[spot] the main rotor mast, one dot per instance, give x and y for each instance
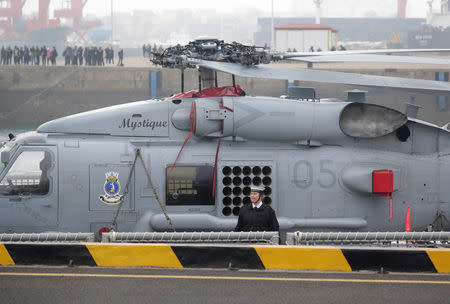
(209, 49)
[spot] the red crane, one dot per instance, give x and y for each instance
(42, 22)
(75, 12)
(401, 9)
(14, 27)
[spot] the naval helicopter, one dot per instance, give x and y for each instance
(187, 162)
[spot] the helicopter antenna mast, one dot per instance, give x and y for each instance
(317, 3)
(272, 38)
(112, 23)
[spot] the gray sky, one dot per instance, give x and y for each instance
(331, 8)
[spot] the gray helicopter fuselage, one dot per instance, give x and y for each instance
(320, 162)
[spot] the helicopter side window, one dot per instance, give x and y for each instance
(189, 185)
(28, 175)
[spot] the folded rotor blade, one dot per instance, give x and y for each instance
(350, 52)
(372, 58)
(325, 76)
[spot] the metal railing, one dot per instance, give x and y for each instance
(425, 239)
(440, 239)
(47, 237)
(263, 237)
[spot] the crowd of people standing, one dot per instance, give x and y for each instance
(34, 55)
(148, 50)
(93, 56)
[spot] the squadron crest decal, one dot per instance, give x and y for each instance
(112, 189)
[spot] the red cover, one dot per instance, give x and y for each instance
(212, 92)
(383, 182)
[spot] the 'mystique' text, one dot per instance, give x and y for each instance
(145, 123)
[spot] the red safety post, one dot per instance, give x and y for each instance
(408, 220)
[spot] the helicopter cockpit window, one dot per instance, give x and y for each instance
(28, 175)
(189, 185)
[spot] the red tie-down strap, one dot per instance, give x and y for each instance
(192, 118)
(223, 107)
(222, 123)
(218, 147)
(391, 208)
(215, 168)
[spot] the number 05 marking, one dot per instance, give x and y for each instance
(327, 177)
(301, 179)
(303, 174)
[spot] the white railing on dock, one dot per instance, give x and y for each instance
(442, 238)
(265, 237)
(47, 237)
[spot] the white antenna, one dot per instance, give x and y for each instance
(272, 38)
(444, 6)
(112, 23)
(317, 3)
(430, 5)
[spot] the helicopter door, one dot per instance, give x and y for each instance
(29, 191)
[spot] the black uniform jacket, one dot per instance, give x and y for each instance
(257, 219)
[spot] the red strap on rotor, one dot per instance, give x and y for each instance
(391, 208)
(215, 168)
(223, 107)
(192, 118)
